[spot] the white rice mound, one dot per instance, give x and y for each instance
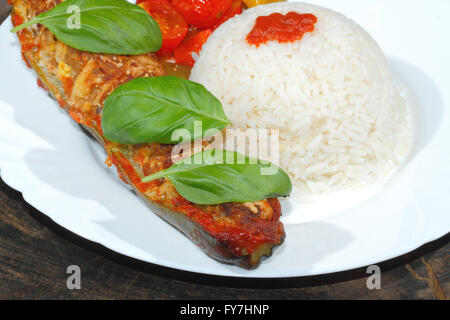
(341, 121)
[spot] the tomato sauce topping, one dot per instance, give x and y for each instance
(247, 231)
(16, 20)
(119, 160)
(282, 28)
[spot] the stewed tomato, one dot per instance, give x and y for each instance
(235, 8)
(172, 24)
(192, 44)
(202, 13)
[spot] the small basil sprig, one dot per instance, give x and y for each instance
(104, 26)
(220, 178)
(147, 110)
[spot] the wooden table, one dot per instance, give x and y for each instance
(35, 253)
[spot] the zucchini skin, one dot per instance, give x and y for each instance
(218, 245)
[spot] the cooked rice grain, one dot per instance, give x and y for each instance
(341, 120)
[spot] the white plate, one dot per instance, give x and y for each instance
(60, 171)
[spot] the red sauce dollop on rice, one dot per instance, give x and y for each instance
(282, 28)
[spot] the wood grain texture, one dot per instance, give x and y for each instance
(35, 253)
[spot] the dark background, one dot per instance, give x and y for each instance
(35, 253)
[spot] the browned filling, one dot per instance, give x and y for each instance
(81, 81)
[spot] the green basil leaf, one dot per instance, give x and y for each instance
(220, 178)
(148, 110)
(105, 26)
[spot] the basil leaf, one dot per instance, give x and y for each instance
(148, 110)
(105, 26)
(222, 181)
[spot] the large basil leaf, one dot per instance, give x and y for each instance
(148, 110)
(106, 26)
(219, 181)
